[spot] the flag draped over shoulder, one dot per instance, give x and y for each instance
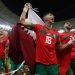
(21, 46)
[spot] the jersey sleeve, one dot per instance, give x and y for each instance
(31, 26)
(34, 27)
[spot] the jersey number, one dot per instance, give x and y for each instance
(48, 40)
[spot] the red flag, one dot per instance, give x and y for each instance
(21, 47)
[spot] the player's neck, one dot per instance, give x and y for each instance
(48, 25)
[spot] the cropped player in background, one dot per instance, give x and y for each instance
(73, 56)
(3, 50)
(47, 39)
(64, 57)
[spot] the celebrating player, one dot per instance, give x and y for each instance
(73, 56)
(3, 50)
(64, 57)
(47, 39)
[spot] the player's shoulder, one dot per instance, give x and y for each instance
(39, 25)
(61, 33)
(55, 32)
(72, 32)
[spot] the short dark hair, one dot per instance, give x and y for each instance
(47, 14)
(67, 22)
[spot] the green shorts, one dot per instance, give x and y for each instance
(69, 72)
(72, 67)
(1, 64)
(12, 65)
(42, 69)
(73, 64)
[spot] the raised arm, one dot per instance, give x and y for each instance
(23, 19)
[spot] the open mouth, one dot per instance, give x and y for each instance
(69, 27)
(52, 19)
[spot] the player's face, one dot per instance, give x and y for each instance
(68, 25)
(49, 18)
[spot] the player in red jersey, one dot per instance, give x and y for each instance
(64, 57)
(73, 56)
(3, 50)
(47, 39)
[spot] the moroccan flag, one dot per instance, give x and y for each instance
(21, 47)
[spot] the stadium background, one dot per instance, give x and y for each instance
(63, 10)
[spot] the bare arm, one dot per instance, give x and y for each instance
(25, 23)
(23, 19)
(62, 47)
(70, 42)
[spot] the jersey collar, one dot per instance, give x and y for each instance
(47, 27)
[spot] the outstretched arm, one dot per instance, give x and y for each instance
(25, 23)
(62, 47)
(23, 19)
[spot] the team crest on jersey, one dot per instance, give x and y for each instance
(54, 35)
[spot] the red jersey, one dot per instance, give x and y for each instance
(3, 42)
(64, 56)
(73, 48)
(46, 40)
